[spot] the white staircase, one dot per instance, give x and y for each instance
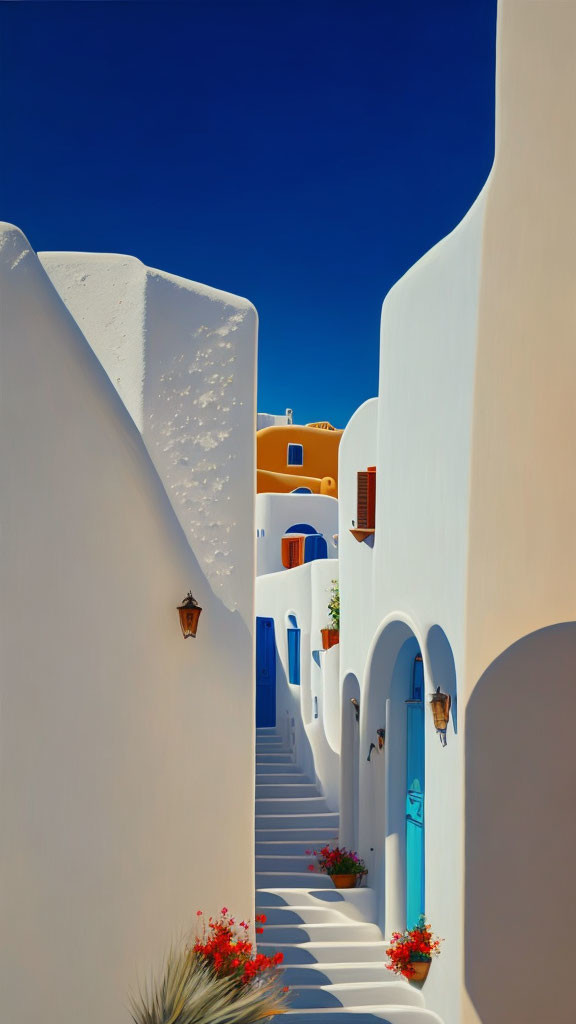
(334, 959)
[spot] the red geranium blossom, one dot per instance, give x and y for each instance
(412, 946)
(229, 952)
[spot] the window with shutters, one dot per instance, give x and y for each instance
(292, 551)
(365, 522)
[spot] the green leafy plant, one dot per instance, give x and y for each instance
(218, 980)
(334, 605)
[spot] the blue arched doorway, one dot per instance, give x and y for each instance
(392, 784)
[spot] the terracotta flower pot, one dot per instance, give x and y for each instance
(421, 968)
(330, 637)
(344, 881)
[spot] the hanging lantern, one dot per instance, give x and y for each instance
(440, 707)
(189, 614)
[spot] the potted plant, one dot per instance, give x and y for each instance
(217, 978)
(411, 951)
(344, 866)
(331, 635)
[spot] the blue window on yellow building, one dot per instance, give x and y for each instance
(295, 455)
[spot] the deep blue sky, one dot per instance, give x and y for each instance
(303, 154)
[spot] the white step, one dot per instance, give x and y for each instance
(274, 757)
(327, 974)
(287, 862)
(380, 993)
(291, 880)
(311, 836)
(301, 820)
(267, 730)
(285, 790)
(302, 915)
(287, 848)
(341, 931)
(362, 1015)
(286, 806)
(287, 768)
(327, 952)
(281, 776)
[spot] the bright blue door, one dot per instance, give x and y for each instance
(265, 672)
(415, 797)
(294, 656)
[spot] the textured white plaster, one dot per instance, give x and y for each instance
(181, 356)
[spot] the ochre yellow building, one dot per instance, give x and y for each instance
(289, 457)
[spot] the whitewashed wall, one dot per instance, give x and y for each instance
(177, 353)
(276, 513)
(474, 553)
(305, 592)
(416, 570)
(120, 741)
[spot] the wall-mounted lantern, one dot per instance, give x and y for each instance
(381, 737)
(356, 707)
(189, 614)
(440, 706)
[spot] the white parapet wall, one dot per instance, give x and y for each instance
(126, 753)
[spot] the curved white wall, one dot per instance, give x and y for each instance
(121, 743)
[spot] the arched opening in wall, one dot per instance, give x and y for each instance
(392, 783)
(302, 543)
(350, 761)
(520, 828)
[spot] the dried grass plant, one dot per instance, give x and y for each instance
(188, 992)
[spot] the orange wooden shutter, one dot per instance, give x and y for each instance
(292, 551)
(371, 497)
(366, 499)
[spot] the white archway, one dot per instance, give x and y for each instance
(382, 783)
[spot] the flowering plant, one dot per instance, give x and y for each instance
(338, 861)
(334, 605)
(228, 952)
(413, 946)
(218, 978)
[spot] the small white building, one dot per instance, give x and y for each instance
(298, 515)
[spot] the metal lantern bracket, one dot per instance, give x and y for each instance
(440, 704)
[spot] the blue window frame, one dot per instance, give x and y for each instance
(295, 455)
(294, 656)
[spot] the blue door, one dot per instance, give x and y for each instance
(415, 797)
(315, 547)
(265, 672)
(293, 635)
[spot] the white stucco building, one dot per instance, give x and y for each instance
(466, 580)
